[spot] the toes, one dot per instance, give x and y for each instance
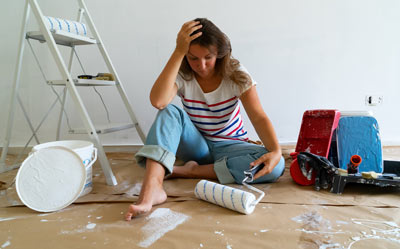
(128, 216)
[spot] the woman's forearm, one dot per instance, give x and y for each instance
(164, 88)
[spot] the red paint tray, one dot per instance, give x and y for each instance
(315, 136)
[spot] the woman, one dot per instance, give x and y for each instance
(208, 133)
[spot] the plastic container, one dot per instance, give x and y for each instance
(86, 151)
(50, 179)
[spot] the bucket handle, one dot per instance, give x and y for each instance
(94, 157)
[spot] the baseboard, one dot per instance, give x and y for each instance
(122, 148)
(286, 148)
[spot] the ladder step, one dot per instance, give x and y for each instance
(105, 129)
(62, 37)
(83, 82)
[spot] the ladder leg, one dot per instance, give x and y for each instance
(110, 178)
(15, 87)
(71, 56)
(112, 70)
(58, 135)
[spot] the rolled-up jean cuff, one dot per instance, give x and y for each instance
(221, 170)
(158, 154)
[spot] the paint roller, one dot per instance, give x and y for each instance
(228, 197)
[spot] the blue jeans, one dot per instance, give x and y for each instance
(173, 134)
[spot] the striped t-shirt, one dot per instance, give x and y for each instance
(215, 114)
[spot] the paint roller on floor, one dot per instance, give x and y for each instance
(228, 197)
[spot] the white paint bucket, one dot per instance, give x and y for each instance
(86, 151)
(50, 179)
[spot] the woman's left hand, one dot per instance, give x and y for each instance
(270, 160)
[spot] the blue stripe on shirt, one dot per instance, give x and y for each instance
(226, 128)
(210, 123)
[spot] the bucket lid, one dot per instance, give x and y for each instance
(50, 179)
(70, 144)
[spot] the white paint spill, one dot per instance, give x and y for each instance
(7, 243)
(91, 225)
(341, 222)
(161, 221)
(264, 230)
(386, 228)
(326, 246)
(43, 220)
(99, 217)
(88, 228)
(44, 214)
(6, 219)
(201, 245)
(219, 232)
(312, 219)
(316, 230)
(228, 246)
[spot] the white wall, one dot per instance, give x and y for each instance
(304, 54)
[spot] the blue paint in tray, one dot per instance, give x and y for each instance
(359, 135)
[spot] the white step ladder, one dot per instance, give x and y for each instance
(53, 38)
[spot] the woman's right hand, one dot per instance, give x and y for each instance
(184, 36)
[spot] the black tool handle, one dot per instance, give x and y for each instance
(249, 174)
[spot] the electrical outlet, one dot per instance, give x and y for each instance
(373, 100)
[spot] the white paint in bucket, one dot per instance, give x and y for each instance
(86, 151)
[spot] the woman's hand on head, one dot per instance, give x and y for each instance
(270, 160)
(184, 36)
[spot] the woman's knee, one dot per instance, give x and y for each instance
(170, 111)
(275, 174)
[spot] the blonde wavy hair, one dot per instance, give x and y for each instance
(226, 65)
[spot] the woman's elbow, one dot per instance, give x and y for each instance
(158, 104)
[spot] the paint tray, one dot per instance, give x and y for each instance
(315, 136)
(389, 178)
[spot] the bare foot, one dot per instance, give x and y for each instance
(142, 207)
(185, 171)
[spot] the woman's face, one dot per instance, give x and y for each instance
(202, 60)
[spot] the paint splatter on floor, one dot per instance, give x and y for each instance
(161, 221)
(5, 244)
(387, 231)
(91, 225)
(316, 231)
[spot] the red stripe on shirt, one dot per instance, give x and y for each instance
(204, 103)
(203, 116)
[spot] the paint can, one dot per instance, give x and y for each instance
(50, 179)
(86, 151)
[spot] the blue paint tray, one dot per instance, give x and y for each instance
(359, 135)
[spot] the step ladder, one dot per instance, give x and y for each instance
(53, 38)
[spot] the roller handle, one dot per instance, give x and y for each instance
(249, 174)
